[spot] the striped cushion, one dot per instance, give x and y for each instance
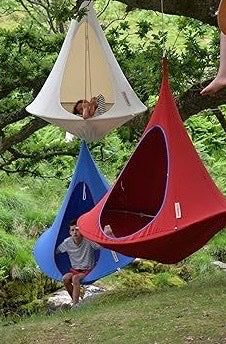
(101, 105)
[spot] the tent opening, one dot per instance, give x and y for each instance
(139, 192)
(86, 72)
(80, 202)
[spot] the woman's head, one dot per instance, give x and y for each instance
(78, 108)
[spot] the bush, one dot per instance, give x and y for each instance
(23, 207)
(217, 247)
(21, 282)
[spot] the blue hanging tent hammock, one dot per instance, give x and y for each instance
(86, 189)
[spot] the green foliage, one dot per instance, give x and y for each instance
(23, 204)
(146, 275)
(210, 141)
(22, 286)
(217, 247)
(36, 306)
(201, 264)
(132, 280)
(165, 279)
(15, 255)
(111, 154)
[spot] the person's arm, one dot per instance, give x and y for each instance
(95, 245)
(93, 106)
(108, 231)
(61, 248)
(57, 250)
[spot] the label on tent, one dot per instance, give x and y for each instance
(114, 255)
(177, 210)
(126, 98)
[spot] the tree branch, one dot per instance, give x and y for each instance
(29, 12)
(23, 134)
(191, 102)
(221, 118)
(12, 118)
(104, 9)
(38, 156)
(197, 9)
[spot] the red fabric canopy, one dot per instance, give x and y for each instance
(164, 205)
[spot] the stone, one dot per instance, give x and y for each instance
(61, 299)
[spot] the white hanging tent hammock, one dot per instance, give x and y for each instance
(86, 67)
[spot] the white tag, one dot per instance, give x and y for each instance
(114, 255)
(177, 210)
(126, 98)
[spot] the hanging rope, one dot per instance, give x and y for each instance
(86, 48)
(87, 61)
(131, 212)
(163, 29)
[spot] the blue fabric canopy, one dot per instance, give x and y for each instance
(86, 189)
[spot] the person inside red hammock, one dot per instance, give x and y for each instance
(220, 80)
(87, 109)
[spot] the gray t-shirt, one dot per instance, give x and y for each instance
(81, 256)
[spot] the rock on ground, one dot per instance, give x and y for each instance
(61, 299)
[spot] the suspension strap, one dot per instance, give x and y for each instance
(163, 28)
(86, 50)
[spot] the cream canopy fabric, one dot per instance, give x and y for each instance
(85, 68)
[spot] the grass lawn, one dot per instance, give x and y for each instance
(192, 314)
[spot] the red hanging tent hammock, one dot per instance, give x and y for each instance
(164, 205)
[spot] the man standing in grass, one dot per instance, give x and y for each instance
(81, 253)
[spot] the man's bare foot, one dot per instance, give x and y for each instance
(216, 85)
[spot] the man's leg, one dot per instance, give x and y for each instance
(221, 16)
(67, 279)
(76, 287)
(220, 81)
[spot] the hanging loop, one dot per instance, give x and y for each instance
(84, 192)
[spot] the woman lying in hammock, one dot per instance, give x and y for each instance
(87, 109)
